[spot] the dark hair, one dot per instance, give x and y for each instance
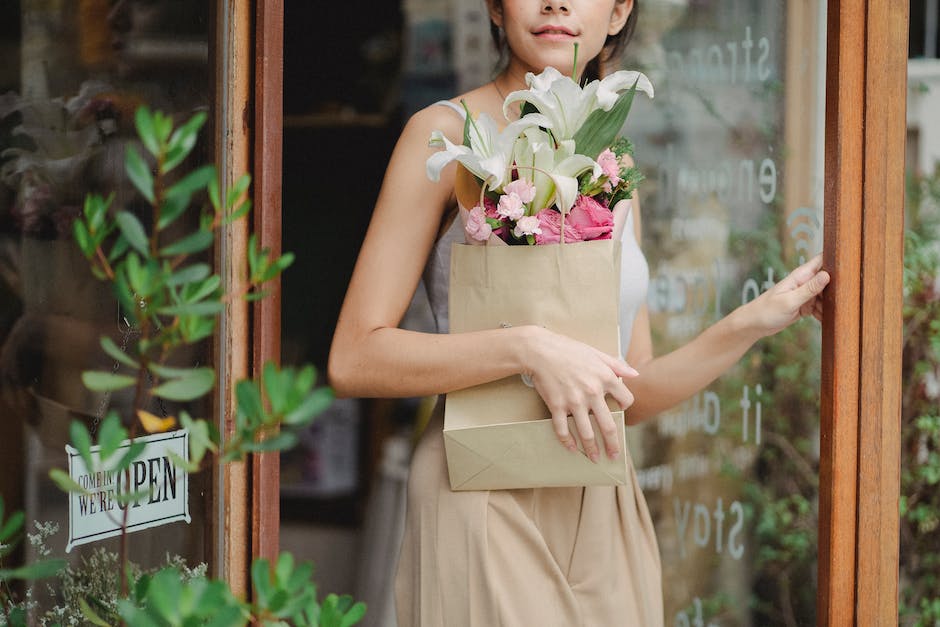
(613, 47)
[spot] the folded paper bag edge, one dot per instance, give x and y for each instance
(506, 464)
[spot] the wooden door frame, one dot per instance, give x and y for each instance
(866, 88)
(266, 322)
(249, 85)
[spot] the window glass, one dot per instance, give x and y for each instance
(732, 150)
(74, 72)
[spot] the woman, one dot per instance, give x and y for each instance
(560, 556)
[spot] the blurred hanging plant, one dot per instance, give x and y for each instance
(172, 299)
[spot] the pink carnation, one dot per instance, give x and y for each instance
(527, 225)
(477, 226)
(550, 225)
(610, 166)
(590, 219)
(510, 206)
(521, 188)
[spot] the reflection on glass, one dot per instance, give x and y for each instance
(66, 113)
(732, 151)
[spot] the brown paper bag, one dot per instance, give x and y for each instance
(499, 435)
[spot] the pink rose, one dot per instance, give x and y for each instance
(477, 226)
(591, 219)
(550, 226)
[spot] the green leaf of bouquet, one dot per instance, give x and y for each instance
(12, 525)
(133, 230)
(81, 440)
(207, 308)
(36, 570)
(196, 384)
(602, 127)
(143, 121)
(65, 482)
(312, 406)
(139, 172)
(103, 381)
(182, 141)
(115, 352)
(197, 242)
(467, 123)
(189, 274)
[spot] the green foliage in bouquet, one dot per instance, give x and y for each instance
(171, 299)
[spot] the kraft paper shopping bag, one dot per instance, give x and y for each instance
(499, 435)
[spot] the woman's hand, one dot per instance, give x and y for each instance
(574, 379)
(797, 295)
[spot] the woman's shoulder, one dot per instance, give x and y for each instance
(447, 116)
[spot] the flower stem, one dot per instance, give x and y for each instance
(574, 65)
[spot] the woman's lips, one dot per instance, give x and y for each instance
(554, 33)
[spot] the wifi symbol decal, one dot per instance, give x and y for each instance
(804, 225)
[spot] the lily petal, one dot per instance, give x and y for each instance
(608, 90)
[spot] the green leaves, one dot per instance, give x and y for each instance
(286, 593)
(268, 415)
(139, 172)
(164, 599)
(188, 385)
(602, 127)
(133, 232)
(262, 266)
(10, 531)
(169, 299)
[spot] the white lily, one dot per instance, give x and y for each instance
(553, 171)
(566, 104)
(489, 155)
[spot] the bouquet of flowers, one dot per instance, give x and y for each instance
(557, 173)
(560, 173)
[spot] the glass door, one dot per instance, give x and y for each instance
(67, 102)
(732, 148)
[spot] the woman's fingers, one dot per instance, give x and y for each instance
(586, 434)
(560, 422)
(607, 428)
